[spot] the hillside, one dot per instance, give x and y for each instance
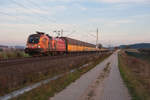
(137, 46)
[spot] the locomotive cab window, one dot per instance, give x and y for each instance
(33, 39)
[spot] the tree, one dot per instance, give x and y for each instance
(99, 46)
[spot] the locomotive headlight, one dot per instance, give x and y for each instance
(39, 46)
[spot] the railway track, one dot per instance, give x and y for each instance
(15, 61)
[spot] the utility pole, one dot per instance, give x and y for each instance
(62, 32)
(97, 38)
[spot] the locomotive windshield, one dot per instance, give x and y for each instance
(33, 39)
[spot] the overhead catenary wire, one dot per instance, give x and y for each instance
(12, 16)
(23, 6)
(70, 33)
(92, 35)
(33, 3)
(83, 34)
(38, 7)
(3, 13)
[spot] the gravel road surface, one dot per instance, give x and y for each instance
(101, 83)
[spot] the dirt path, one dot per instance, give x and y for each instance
(114, 87)
(95, 90)
(101, 83)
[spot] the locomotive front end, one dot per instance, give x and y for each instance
(33, 45)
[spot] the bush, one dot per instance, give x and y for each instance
(13, 54)
(1, 50)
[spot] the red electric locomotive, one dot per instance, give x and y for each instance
(42, 43)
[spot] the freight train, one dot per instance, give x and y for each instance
(41, 43)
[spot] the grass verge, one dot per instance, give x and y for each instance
(44, 92)
(134, 84)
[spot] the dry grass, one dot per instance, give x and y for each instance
(44, 92)
(18, 76)
(136, 74)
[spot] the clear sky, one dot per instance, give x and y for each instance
(119, 21)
